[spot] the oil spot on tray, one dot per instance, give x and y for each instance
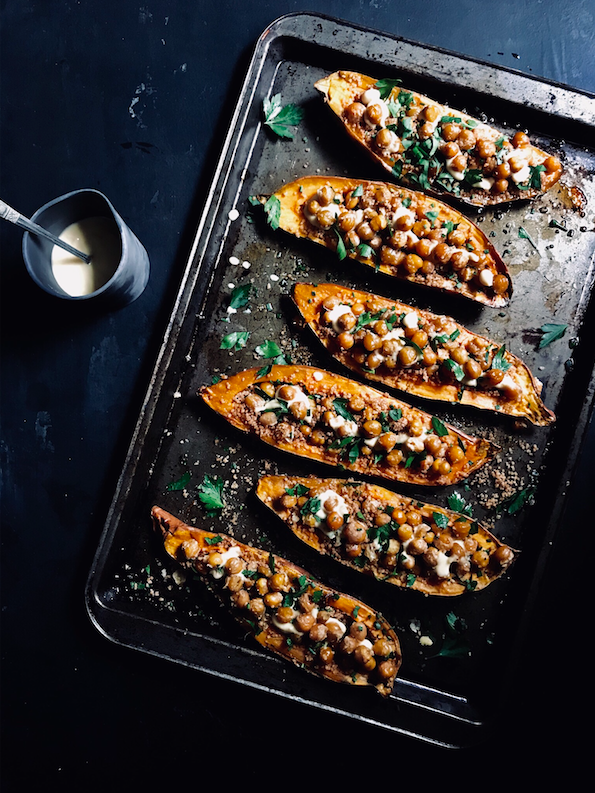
(43, 424)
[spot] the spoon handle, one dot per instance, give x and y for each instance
(12, 216)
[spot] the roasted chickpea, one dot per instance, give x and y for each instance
(486, 148)
(450, 149)
(372, 428)
(423, 248)
(420, 338)
(345, 340)
(394, 458)
(407, 356)
(235, 583)
(390, 256)
(215, 559)
(364, 657)
(551, 164)
(520, 140)
(404, 222)
(431, 557)
(455, 454)
(355, 112)
(399, 516)
(421, 227)
(503, 170)
(273, 599)
(356, 403)
(440, 467)
(450, 131)
(459, 162)
(374, 114)
(459, 355)
(442, 253)
(416, 427)
(405, 532)
(503, 555)
(430, 357)
(372, 341)
(318, 438)
(334, 521)
(433, 445)
(466, 139)
(472, 369)
(417, 546)
(267, 418)
(500, 186)
(480, 559)
(387, 669)
(234, 565)
(500, 285)
(268, 388)
(305, 622)
(387, 441)
(251, 401)
(257, 606)
(426, 130)
(317, 632)
(278, 582)
(493, 377)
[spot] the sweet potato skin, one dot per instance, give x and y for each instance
(226, 397)
(342, 88)
(193, 548)
(272, 489)
(293, 198)
(309, 300)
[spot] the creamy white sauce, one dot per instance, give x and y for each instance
(348, 427)
(335, 313)
(330, 501)
(338, 623)
(414, 444)
(486, 277)
(231, 553)
(97, 236)
(403, 212)
(411, 320)
(486, 183)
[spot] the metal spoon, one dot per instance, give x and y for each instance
(10, 214)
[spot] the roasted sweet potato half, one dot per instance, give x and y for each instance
(399, 232)
(424, 354)
(317, 628)
(331, 419)
(385, 535)
(433, 148)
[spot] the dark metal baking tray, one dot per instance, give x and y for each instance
(448, 693)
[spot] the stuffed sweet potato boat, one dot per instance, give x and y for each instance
(385, 535)
(433, 148)
(324, 631)
(399, 232)
(424, 354)
(331, 419)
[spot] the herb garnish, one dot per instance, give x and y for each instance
(272, 209)
(240, 296)
(551, 332)
(235, 341)
(385, 86)
(523, 234)
(210, 493)
(180, 483)
(280, 117)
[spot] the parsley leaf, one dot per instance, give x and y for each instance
(268, 349)
(499, 360)
(457, 503)
(272, 209)
(235, 341)
(440, 519)
(340, 406)
(279, 118)
(386, 86)
(210, 493)
(180, 483)
(439, 427)
(516, 502)
(240, 295)
(551, 332)
(523, 234)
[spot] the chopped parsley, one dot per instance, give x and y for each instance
(210, 494)
(551, 332)
(235, 341)
(180, 483)
(279, 118)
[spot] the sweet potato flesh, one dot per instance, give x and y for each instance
(288, 612)
(334, 420)
(419, 352)
(430, 147)
(401, 233)
(380, 533)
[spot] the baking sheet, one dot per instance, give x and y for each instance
(449, 691)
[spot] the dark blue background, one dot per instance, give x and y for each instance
(75, 708)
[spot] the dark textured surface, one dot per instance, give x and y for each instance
(134, 101)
